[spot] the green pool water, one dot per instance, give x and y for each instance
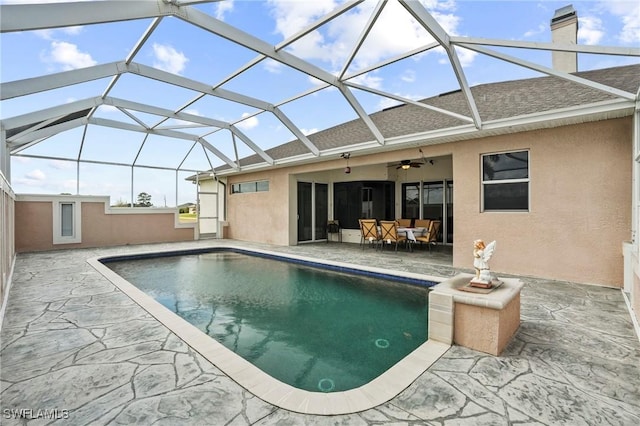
(315, 329)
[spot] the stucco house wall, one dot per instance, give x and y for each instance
(580, 193)
(580, 198)
(260, 216)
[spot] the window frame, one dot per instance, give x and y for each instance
(258, 186)
(484, 183)
(76, 222)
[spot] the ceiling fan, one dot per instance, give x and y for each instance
(407, 164)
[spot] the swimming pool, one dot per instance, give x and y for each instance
(379, 390)
(315, 329)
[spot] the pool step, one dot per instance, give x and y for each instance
(208, 236)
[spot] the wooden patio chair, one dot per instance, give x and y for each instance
(369, 232)
(431, 236)
(404, 223)
(389, 233)
(422, 223)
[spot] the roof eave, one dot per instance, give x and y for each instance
(597, 111)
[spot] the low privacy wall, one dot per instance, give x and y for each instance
(53, 222)
(7, 248)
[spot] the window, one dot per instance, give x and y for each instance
(67, 225)
(66, 219)
(505, 181)
(259, 186)
(411, 200)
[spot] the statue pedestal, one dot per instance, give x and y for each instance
(482, 321)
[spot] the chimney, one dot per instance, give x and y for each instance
(564, 29)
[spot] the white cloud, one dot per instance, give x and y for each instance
(71, 185)
(36, 175)
(68, 56)
(292, 16)
(369, 79)
(222, 7)
(272, 66)
(408, 76)
(466, 56)
(108, 109)
(333, 43)
(590, 30)
(387, 103)
(629, 14)
(631, 30)
(51, 33)
(61, 165)
(249, 123)
(169, 59)
(309, 131)
(540, 30)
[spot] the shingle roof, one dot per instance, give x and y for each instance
(494, 101)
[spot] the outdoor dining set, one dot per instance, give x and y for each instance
(408, 232)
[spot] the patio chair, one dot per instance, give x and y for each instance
(431, 236)
(404, 223)
(389, 231)
(422, 223)
(369, 232)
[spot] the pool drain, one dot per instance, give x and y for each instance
(326, 385)
(382, 343)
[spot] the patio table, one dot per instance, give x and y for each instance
(411, 234)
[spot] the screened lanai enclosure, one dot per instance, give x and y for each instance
(139, 97)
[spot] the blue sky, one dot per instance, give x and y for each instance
(185, 50)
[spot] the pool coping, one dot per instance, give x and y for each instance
(378, 391)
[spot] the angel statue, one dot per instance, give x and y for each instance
(481, 254)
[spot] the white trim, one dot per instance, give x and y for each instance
(76, 236)
(636, 325)
(7, 288)
(526, 180)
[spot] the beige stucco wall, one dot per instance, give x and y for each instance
(101, 226)
(34, 226)
(580, 203)
(260, 216)
(580, 200)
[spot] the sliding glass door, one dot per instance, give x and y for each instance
(313, 210)
(430, 200)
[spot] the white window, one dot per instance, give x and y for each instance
(66, 219)
(66, 222)
(505, 181)
(244, 187)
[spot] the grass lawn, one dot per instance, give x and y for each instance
(188, 217)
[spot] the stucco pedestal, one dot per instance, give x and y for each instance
(484, 322)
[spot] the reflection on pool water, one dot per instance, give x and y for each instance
(315, 329)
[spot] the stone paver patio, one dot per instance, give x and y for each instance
(72, 342)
